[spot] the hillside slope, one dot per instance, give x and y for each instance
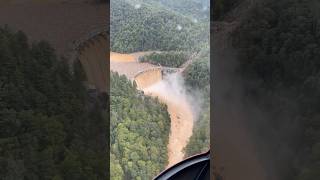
(267, 87)
(51, 128)
(139, 132)
(147, 26)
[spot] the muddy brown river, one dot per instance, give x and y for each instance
(179, 108)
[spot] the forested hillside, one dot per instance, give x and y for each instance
(197, 10)
(50, 127)
(147, 26)
(168, 59)
(197, 78)
(140, 125)
(139, 128)
(222, 7)
(279, 53)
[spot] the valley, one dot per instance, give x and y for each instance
(159, 63)
(152, 83)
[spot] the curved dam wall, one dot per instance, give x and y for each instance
(60, 22)
(147, 78)
(64, 23)
(93, 57)
(153, 81)
(144, 74)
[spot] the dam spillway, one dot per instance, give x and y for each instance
(144, 74)
(63, 24)
(92, 53)
(149, 78)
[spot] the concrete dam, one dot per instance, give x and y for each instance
(72, 33)
(84, 37)
(144, 74)
(92, 54)
(151, 80)
(148, 77)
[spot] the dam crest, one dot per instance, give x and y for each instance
(92, 53)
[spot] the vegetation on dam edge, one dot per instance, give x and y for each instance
(168, 59)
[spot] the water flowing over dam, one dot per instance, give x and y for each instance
(75, 35)
(150, 79)
(172, 93)
(128, 65)
(92, 55)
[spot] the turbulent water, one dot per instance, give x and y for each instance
(169, 90)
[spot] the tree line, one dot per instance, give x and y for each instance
(197, 78)
(279, 52)
(139, 129)
(142, 27)
(168, 59)
(150, 27)
(50, 127)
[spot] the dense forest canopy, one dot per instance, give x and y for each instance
(197, 77)
(140, 26)
(279, 53)
(139, 132)
(222, 7)
(168, 59)
(197, 10)
(140, 125)
(50, 127)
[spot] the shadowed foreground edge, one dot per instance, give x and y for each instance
(195, 168)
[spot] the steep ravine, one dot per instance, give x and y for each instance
(180, 112)
(169, 91)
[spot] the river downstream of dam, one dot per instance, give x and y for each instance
(167, 89)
